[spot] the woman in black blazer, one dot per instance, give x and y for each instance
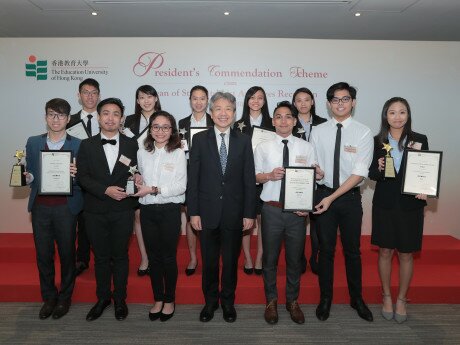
(397, 219)
(255, 113)
(147, 102)
(304, 102)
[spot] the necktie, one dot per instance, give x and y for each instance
(88, 125)
(338, 139)
(108, 141)
(223, 153)
(285, 164)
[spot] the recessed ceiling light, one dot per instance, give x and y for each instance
(94, 13)
(226, 13)
(357, 14)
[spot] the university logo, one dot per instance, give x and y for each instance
(37, 68)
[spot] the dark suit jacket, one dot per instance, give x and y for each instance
(74, 119)
(33, 147)
(388, 191)
(185, 123)
(94, 174)
(133, 122)
(247, 129)
(221, 200)
(316, 120)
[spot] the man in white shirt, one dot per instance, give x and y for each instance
(88, 96)
(344, 149)
(270, 158)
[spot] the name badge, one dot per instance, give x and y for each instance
(168, 167)
(125, 160)
(300, 159)
(350, 149)
(415, 145)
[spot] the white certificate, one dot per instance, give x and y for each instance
(422, 173)
(299, 189)
(195, 130)
(259, 135)
(78, 130)
(55, 176)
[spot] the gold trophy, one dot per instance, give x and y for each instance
(388, 162)
(18, 178)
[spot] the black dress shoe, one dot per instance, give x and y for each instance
(97, 310)
(142, 273)
(362, 309)
(313, 265)
(190, 271)
(80, 266)
(248, 271)
(62, 307)
(207, 313)
(121, 310)
(323, 309)
(229, 313)
(165, 317)
(258, 271)
(47, 309)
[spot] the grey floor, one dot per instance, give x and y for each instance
(428, 324)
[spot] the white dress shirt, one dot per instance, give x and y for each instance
(195, 123)
(143, 123)
(356, 149)
(165, 170)
(257, 121)
(219, 138)
(269, 155)
(111, 151)
(94, 123)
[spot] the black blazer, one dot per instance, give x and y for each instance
(94, 174)
(248, 129)
(388, 191)
(221, 200)
(133, 122)
(316, 120)
(185, 123)
(74, 119)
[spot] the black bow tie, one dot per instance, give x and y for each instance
(108, 141)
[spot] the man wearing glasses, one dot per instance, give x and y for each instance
(104, 164)
(53, 216)
(88, 96)
(344, 150)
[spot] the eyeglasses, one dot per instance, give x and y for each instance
(164, 128)
(90, 93)
(345, 99)
(52, 116)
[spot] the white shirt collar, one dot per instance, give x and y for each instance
(345, 123)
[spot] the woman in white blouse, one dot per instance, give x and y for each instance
(162, 164)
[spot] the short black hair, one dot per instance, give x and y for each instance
(338, 87)
(89, 81)
(284, 104)
(59, 105)
(111, 100)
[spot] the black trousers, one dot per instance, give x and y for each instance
(83, 247)
(345, 213)
(214, 243)
(160, 225)
(109, 235)
(52, 224)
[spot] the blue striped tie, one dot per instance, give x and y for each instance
(223, 153)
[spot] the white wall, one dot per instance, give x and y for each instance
(426, 73)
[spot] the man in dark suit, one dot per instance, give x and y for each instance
(53, 216)
(104, 163)
(221, 202)
(88, 96)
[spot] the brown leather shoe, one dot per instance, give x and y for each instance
(295, 311)
(271, 312)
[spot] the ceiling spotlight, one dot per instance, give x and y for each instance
(94, 13)
(226, 13)
(357, 14)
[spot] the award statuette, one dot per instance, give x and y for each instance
(130, 186)
(388, 162)
(18, 178)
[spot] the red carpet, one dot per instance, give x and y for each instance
(436, 275)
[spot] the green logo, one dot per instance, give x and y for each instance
(37, 68)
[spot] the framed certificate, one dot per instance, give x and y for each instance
(195, 130)
(55, 178)
(422, 173)
(141, 137)
(259, 135)
(299, 189)
(78, 130)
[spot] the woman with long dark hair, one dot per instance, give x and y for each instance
(397, 219)
(147, 102)
(163, 167)
(255, 113)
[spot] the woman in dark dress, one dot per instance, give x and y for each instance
(397, 219)
(255, 113)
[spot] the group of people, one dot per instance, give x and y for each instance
(227, 188)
